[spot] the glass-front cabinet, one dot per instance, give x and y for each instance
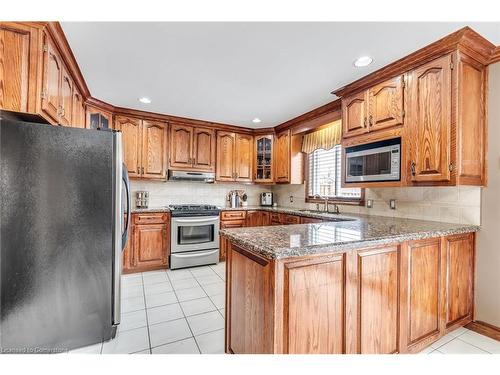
(264, 158)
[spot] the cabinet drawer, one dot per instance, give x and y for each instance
(291, 219)
(150, 218)
(232, 224)
(233, 215)
(310, 220)
(275, 219)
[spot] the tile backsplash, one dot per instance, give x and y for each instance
(461, 204)
(178, 192)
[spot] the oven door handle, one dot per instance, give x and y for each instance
(195, 254)
(192, 221)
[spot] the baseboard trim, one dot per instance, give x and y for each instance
(485, 329)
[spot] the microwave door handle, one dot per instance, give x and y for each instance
(126, 181)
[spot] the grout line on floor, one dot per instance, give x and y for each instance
(484, 350)
(146, 312)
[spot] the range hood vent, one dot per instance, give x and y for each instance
(208, 177)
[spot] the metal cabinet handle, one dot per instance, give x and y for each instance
(370, 120)
(413, 165)
(364, 122)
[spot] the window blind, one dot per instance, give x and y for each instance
(324, 177)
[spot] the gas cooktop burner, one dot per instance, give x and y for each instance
(194, 210)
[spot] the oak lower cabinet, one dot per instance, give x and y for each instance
(148, 247)
(230, 219)
(234, 157)
(192, 148)
(257, 218)
(395, 298)
(144, 147)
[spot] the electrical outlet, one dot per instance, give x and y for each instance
(291, 198)
(392, 204)
(369, 203)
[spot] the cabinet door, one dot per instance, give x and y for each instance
(52, 74)
(78, 117)
(204, 149)
(181, 140)
(386, 104)
(431, 121)
(460, 278)
(422, 292)
(128, 253)
(154, 150)
(290, 219)
(225, 156)
(97, 118)
(254, 219)
(66, 111)
(244, 157)
(264, 159)
(372, 300)
(354, 114)
(14, 66)
(283, 157)
(131, 139)
(150, 246)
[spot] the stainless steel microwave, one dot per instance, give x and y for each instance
(378, 161)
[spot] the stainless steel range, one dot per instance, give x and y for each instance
(195, 235)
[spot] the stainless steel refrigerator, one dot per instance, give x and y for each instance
(65, 209)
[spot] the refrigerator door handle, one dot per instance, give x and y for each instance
(126, 181)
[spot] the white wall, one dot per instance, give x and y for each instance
(175, 192)
(449, 204)
(488, 244)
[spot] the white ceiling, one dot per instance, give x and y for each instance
(233, 72)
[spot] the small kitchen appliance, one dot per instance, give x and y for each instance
(266, 199)
(234, 199)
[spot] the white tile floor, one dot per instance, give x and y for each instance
(182, 311)
(170, 312)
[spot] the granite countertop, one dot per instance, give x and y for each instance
(136, 210)
(284, 241)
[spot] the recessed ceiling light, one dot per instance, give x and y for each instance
(256, 120)
(363, 61)
(145, 100)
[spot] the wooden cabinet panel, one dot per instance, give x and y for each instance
(131, 139)
(154, 150)
(254, 219)
(431, 121)
(373, 301)
(264, 158)
(422, 298)
(66, 110)
(386, 104)
(232, 215)
(78, 116)
(310, 220)
(150, 245)
(181, 141)
(14, 66)
(225, 156)
(354, 114)
(282, 158)
(243, 157)
(96, 118)
(52, 75)
(314, 322)
(290, 219)
(249, 304)
(203, 149)
(275, 219)
(460, 278)
(128, 253)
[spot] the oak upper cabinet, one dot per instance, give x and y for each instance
(132, 145)
(386, 104)
(379, 107)
(97, 118)
(289, 158)
(430, 100)
(264, 159)
(51, 80)
(19, 48)
(203, 149)
(154, 150)
(66, 106)
(192, 148)
(144, 147)
(234, 157)
(78, 108)
(354, 114)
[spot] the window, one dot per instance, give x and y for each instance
(324, 176)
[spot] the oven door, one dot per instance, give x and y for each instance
(373, 164)
(194, 233)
